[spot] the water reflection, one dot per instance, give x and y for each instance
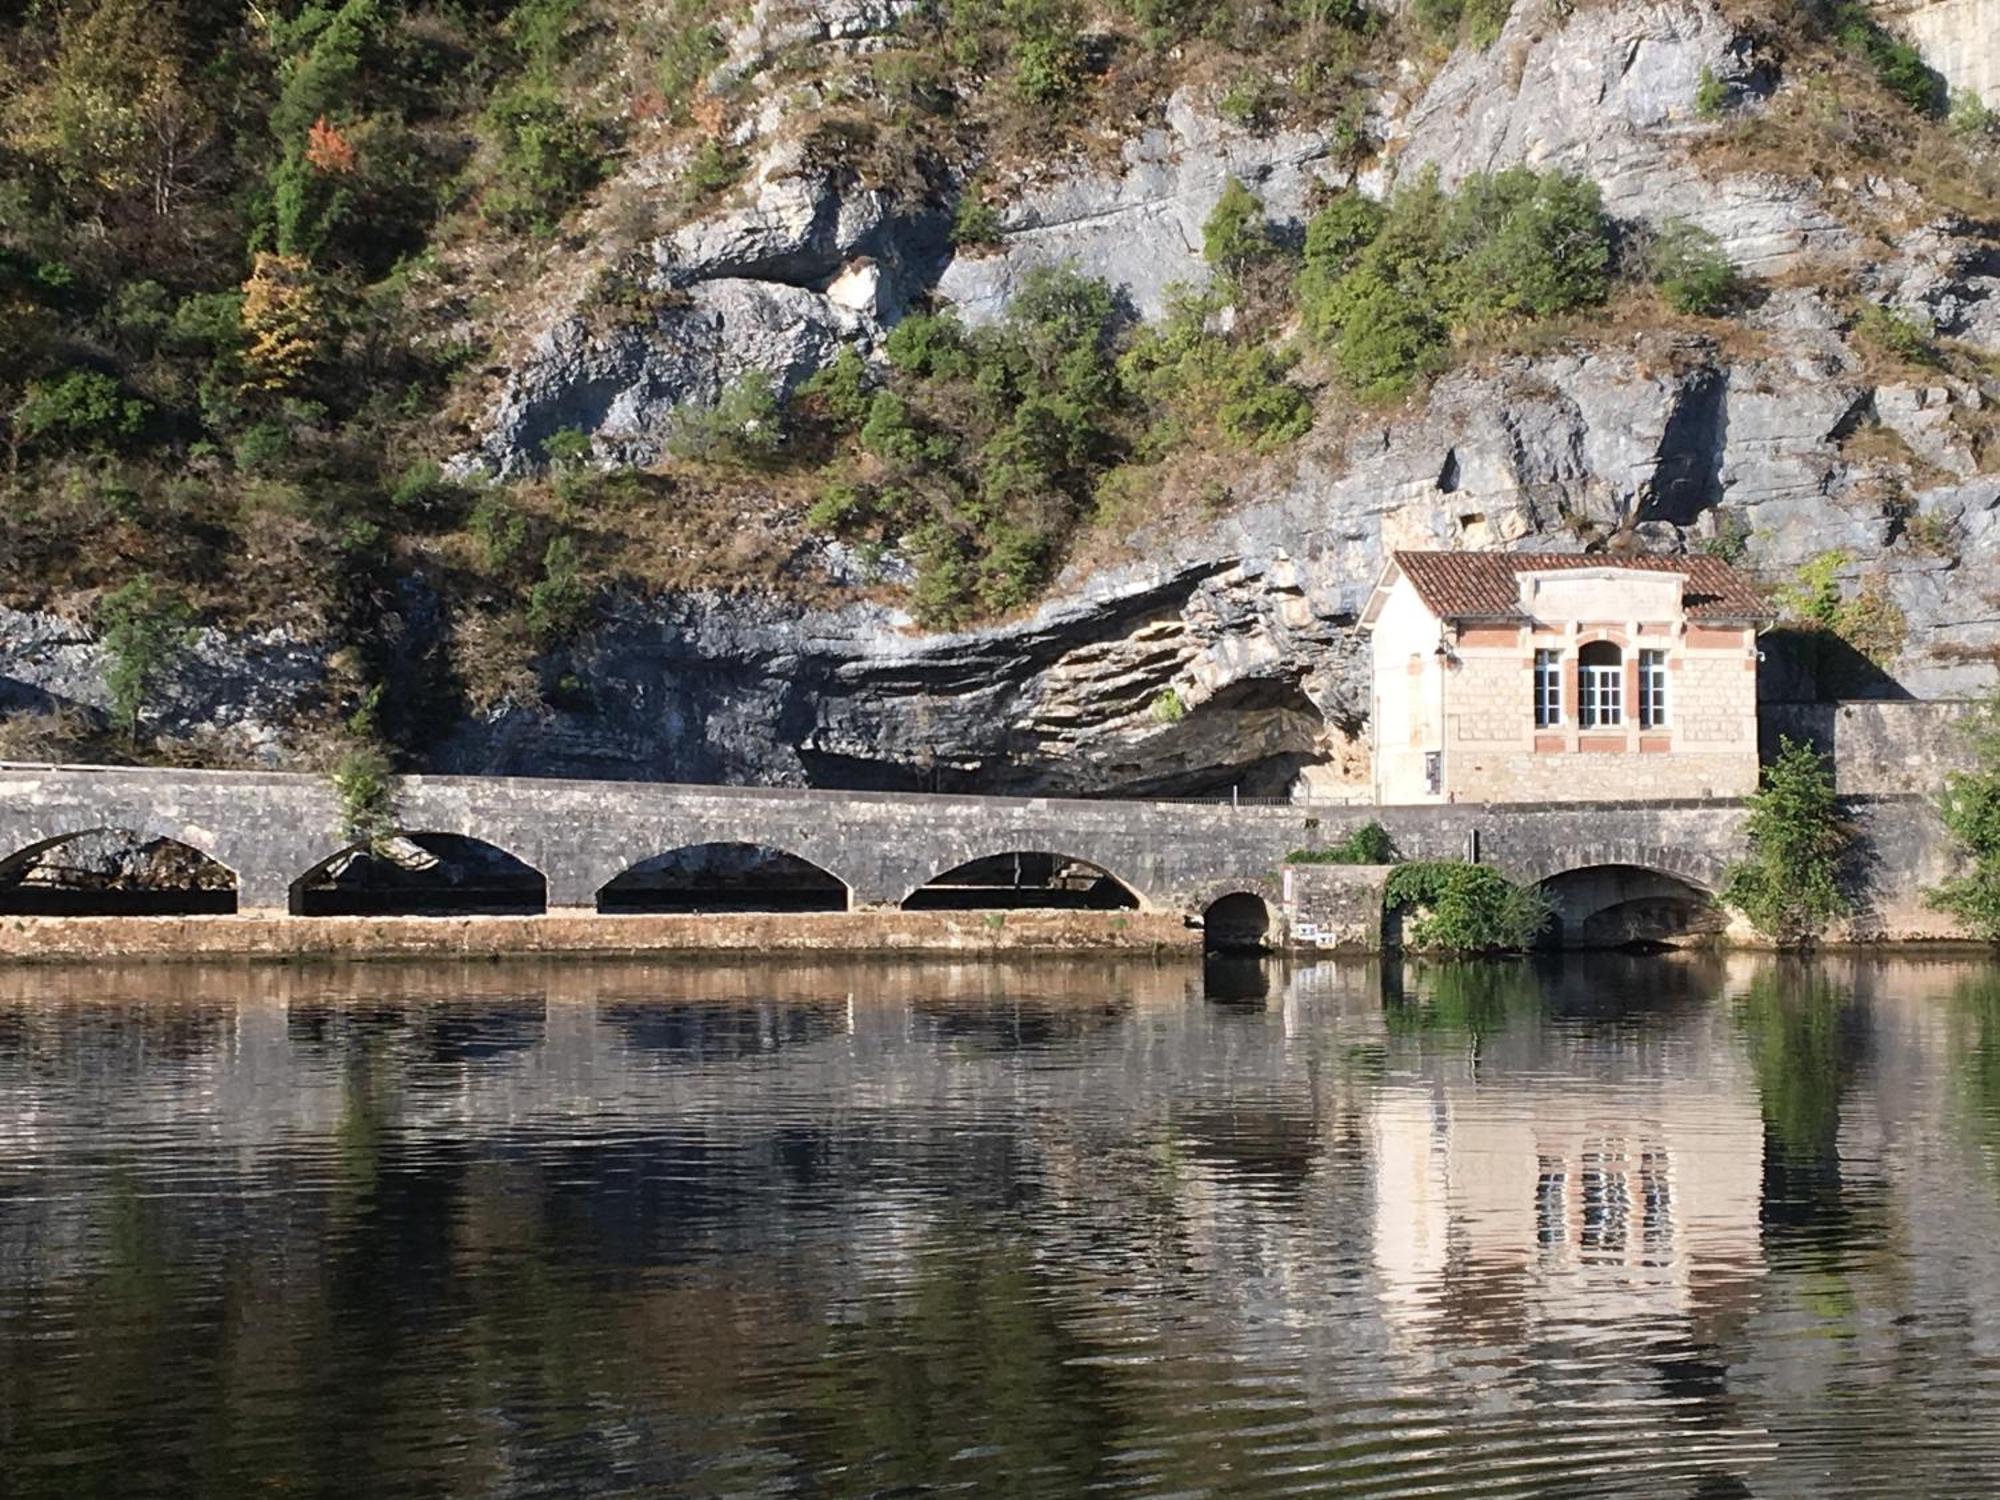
(1608, 1226)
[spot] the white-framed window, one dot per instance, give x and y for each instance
(1601, 686)
(1548, 689)
(1652, 689)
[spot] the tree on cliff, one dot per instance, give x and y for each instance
(145, 632)
(1790, 886)
(1969, 807)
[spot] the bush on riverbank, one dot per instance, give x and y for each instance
(1969, 808)
(1464, 908)
(1790, 885)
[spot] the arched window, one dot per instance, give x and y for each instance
(1600, 685)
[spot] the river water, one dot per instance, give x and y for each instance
(1638, 1226)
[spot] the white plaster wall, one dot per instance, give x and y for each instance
(1408, 709)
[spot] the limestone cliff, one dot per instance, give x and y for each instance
(1222, 650)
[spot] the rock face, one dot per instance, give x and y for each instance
(1611, 94)
(624, 385)
(1229, 658)
(1140, 228)
(237, 694)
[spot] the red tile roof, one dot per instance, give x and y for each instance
(1481, 585)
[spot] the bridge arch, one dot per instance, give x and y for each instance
(1023, 877)
(1625, 894)
(1696, 867)
(718, 875)
(132, 871)
(420, 872)
(1238, 921)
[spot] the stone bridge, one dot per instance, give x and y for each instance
(275, 832)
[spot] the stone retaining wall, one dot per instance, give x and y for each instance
(269, 935)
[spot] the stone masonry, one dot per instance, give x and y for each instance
(273, 830)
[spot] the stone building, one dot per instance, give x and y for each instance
(1539, 677)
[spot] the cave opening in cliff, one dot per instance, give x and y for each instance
(1023, 878)
(421, 875)
(114, 872)
(722, 877)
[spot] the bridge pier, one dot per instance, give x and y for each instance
(572, 892)
(263, 891)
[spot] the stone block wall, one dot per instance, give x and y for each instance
(1587, 776)
(1712, 700)
(1880, 748)
(1334, 906)
(1495, 753)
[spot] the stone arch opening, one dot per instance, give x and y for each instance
(1237, 922)
(724, 876)
(114, 872)
(1023, 878)
(421, 875)
(1629, 906)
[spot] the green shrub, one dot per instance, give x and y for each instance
(566, 447)
(364, 786)
(1897, 64)
(1687, 264)
(1464, 908)
(545, 156)
(1527, 244)
(974, 223)
(1896, 333)
(1969, 114)
(81, 410)
(1251, 102)
(1048, 66)
(1369, 844)
(1730, 540)
(419, 487)
(1167, 707)
(1870, 621)
(838, 393)
(744, 426)
(925, 345)
(1234, 234)
(688, 46)
(1477, 21)
(1790, 884)
(499, 531)
(1711, 98)
(145, 630)
(711, 170)
(1192, 378)
(1387, 294)
(1339, 232)
(558, 605)
(1969, 808)
(263, 448)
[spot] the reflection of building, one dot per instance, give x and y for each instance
(1532, 677)
(1562, 1199)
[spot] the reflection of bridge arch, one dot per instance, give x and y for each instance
(1023, 877)
(716, 875)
